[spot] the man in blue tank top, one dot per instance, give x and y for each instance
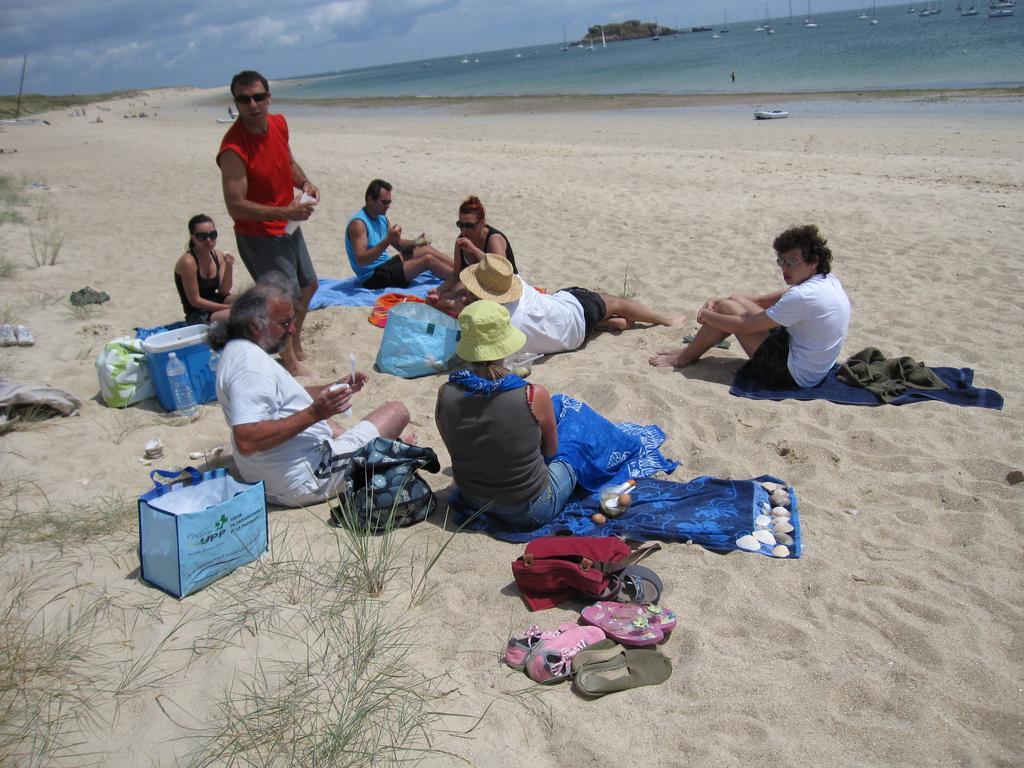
(369, 234)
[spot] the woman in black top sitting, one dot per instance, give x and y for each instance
(203, 274)
(476, 237)
(499, 430)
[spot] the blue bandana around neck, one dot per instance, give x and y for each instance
(477, 385)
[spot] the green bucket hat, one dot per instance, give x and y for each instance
(487, 333)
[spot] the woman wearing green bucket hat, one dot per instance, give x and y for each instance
(499, 430)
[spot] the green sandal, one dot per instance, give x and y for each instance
(606, 667)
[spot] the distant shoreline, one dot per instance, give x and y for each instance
(606, 102)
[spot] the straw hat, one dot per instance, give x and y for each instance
(492, 278)
(487, 333)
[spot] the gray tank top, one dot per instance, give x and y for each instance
(494, 442)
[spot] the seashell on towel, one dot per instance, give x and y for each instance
(770, 486)
(779, 498)
(748, 543)
(765, 537)
(784, 538)
(780, 551)
(762, 521)
(782, 526)
(780, 512)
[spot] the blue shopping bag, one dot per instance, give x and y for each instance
(195, 530)
(418, 341)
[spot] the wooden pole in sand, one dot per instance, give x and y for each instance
(21, 85)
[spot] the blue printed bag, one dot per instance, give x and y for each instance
(418, 341)
(199, 528)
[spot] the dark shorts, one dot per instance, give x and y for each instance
(390, 274)
(286, 254)
(770, 363)
(594, 308)
(198, 317)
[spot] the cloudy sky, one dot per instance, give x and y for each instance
(90, 46)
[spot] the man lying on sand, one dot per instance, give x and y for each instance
(556, 322)
(793, 337)
(369, 234)
(281, 432)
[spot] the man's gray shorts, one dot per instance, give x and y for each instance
(286, 254)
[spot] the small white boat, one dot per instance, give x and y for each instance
(770, 114)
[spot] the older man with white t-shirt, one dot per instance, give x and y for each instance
(282, 432)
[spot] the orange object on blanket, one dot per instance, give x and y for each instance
(381, 307)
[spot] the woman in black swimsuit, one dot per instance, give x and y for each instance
(476, 237)
(203, 274)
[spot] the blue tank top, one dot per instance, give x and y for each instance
(376, 231)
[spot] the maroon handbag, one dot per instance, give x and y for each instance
(554, 569)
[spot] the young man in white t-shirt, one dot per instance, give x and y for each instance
(282, 432)
(793, 337)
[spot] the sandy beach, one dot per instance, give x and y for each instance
(894, 640)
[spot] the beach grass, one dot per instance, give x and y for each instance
(45, 246)
(12, 197)
(29, 516)
(34, 103)
(340, 690)
(49, 690)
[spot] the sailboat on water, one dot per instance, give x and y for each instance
(565, 45)
(874, 19)
(725, 23)
(604, 43)
(809, 22)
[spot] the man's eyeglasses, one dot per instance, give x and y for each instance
(466, 224)
(385, 203)
(257, 97)
(284, 325)
(205, 235)
(792, 262)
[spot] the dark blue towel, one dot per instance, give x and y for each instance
(708, 511)
(350, 293)
(959, 380)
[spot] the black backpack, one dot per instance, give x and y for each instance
(382, 488)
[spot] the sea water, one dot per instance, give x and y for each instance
(843, 53)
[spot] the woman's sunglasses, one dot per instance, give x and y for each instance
(257, 97)
(466, 224)
(206, 235)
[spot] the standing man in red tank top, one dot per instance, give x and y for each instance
(259, 176)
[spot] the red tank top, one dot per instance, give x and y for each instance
(268, 164)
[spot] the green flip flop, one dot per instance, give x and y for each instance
(606, 667)
(723, 344)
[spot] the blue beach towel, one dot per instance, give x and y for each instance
(350, 293)
(959, 380)
(708, 511)
(602, 452)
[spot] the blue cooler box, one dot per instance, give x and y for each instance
(189, 344)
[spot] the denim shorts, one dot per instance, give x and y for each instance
(542, 510)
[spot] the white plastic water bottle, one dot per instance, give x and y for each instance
(181, 387)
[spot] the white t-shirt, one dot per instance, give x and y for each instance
(816, 313)
(551, 322)
(251, 387)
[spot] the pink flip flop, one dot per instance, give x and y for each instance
(634, 624)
